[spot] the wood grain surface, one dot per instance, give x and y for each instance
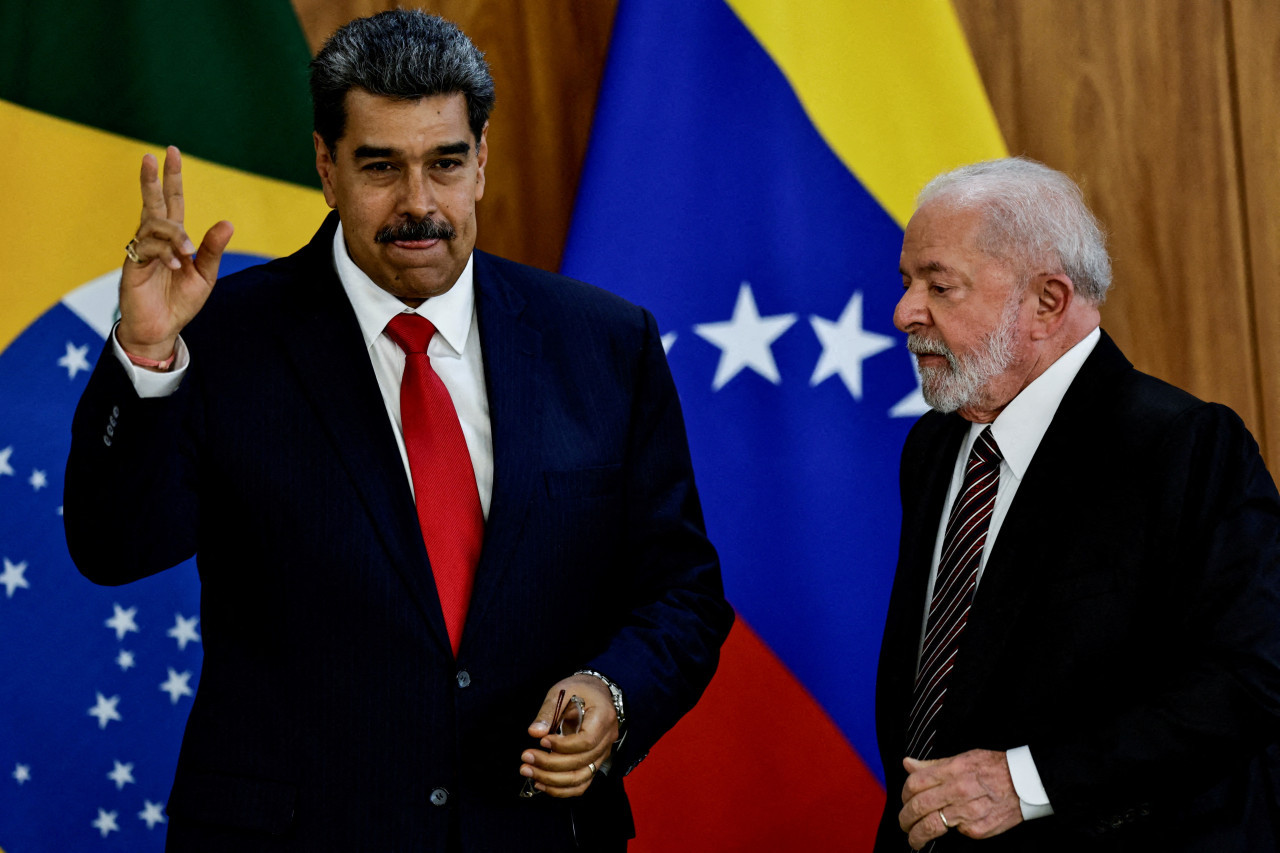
(1255, 35)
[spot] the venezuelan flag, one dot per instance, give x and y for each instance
(751, 169)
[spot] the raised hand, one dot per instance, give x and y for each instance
(162, 287)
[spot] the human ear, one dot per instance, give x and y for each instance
(1054, 294)
(325, 166)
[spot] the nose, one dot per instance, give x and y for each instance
(911, 313)
(417, 196)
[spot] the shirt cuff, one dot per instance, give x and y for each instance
(149, 383)
(1032, 798)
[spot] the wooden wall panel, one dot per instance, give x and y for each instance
(1134, 100)
(1256, 39)
(547, 58)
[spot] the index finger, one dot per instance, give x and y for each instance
(175, 205)
(919, 781)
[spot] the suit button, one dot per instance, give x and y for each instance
(439, 797)
(106, 439)
(464, 678)
(115, 411)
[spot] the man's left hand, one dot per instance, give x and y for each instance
(570, 762)
(973, 789)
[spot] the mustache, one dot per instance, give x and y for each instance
(919, 345)
(414, 230)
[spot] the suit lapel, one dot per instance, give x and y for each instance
(513, 376)
(928, 469)
(1010, 578)
(325, 348)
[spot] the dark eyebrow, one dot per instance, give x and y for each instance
(369, 152)
(374, 152)
(453, 148)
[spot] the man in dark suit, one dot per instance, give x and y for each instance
(413, 545)
(1082, 650)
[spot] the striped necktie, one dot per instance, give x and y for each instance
(962, 545)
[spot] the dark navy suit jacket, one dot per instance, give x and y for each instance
(331, 713)
(1127, 627)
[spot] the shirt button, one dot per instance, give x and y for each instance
(439, 797)
(464, 678)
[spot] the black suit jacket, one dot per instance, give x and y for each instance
(1126, 628)
(331, 713)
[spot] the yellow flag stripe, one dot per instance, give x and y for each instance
(891, 86)
(71, 202)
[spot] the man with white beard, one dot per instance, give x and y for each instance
(1083, 651)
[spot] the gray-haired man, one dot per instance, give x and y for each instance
(1082, 650)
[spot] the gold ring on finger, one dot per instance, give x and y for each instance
(592, 767)
(131, 249)
(944, 819)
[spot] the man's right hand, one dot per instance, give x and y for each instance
(162, 292)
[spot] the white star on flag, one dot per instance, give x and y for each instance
(121, 774)
(38, 479)
(22, 772)
(845, 345)
(13, 577)
(176, 685)
(5, 467)
(152, 813)
(745, 340)
(184, 631)
(122, 621)
(124, 660)
(106, 822)
(74, 361)
(912, 405)
(105, 710)
(668, 341)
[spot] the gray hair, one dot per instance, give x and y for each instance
(405, 54)
(1033, 216)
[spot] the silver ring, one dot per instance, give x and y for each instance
(592, 767)
(131, 250)
(944, 819)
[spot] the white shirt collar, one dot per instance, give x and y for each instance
(451, 312)
(1019, 428)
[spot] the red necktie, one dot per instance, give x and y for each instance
(444, 483)
(953, 590)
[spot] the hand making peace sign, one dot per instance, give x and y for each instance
(162, 286)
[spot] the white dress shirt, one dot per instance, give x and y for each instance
(454, 352)
(1017, 431)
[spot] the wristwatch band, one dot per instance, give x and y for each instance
(616, 692)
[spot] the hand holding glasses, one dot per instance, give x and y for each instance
(566, 720)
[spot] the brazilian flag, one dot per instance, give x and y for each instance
(96, 683)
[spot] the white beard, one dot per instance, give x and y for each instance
(963, 381)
